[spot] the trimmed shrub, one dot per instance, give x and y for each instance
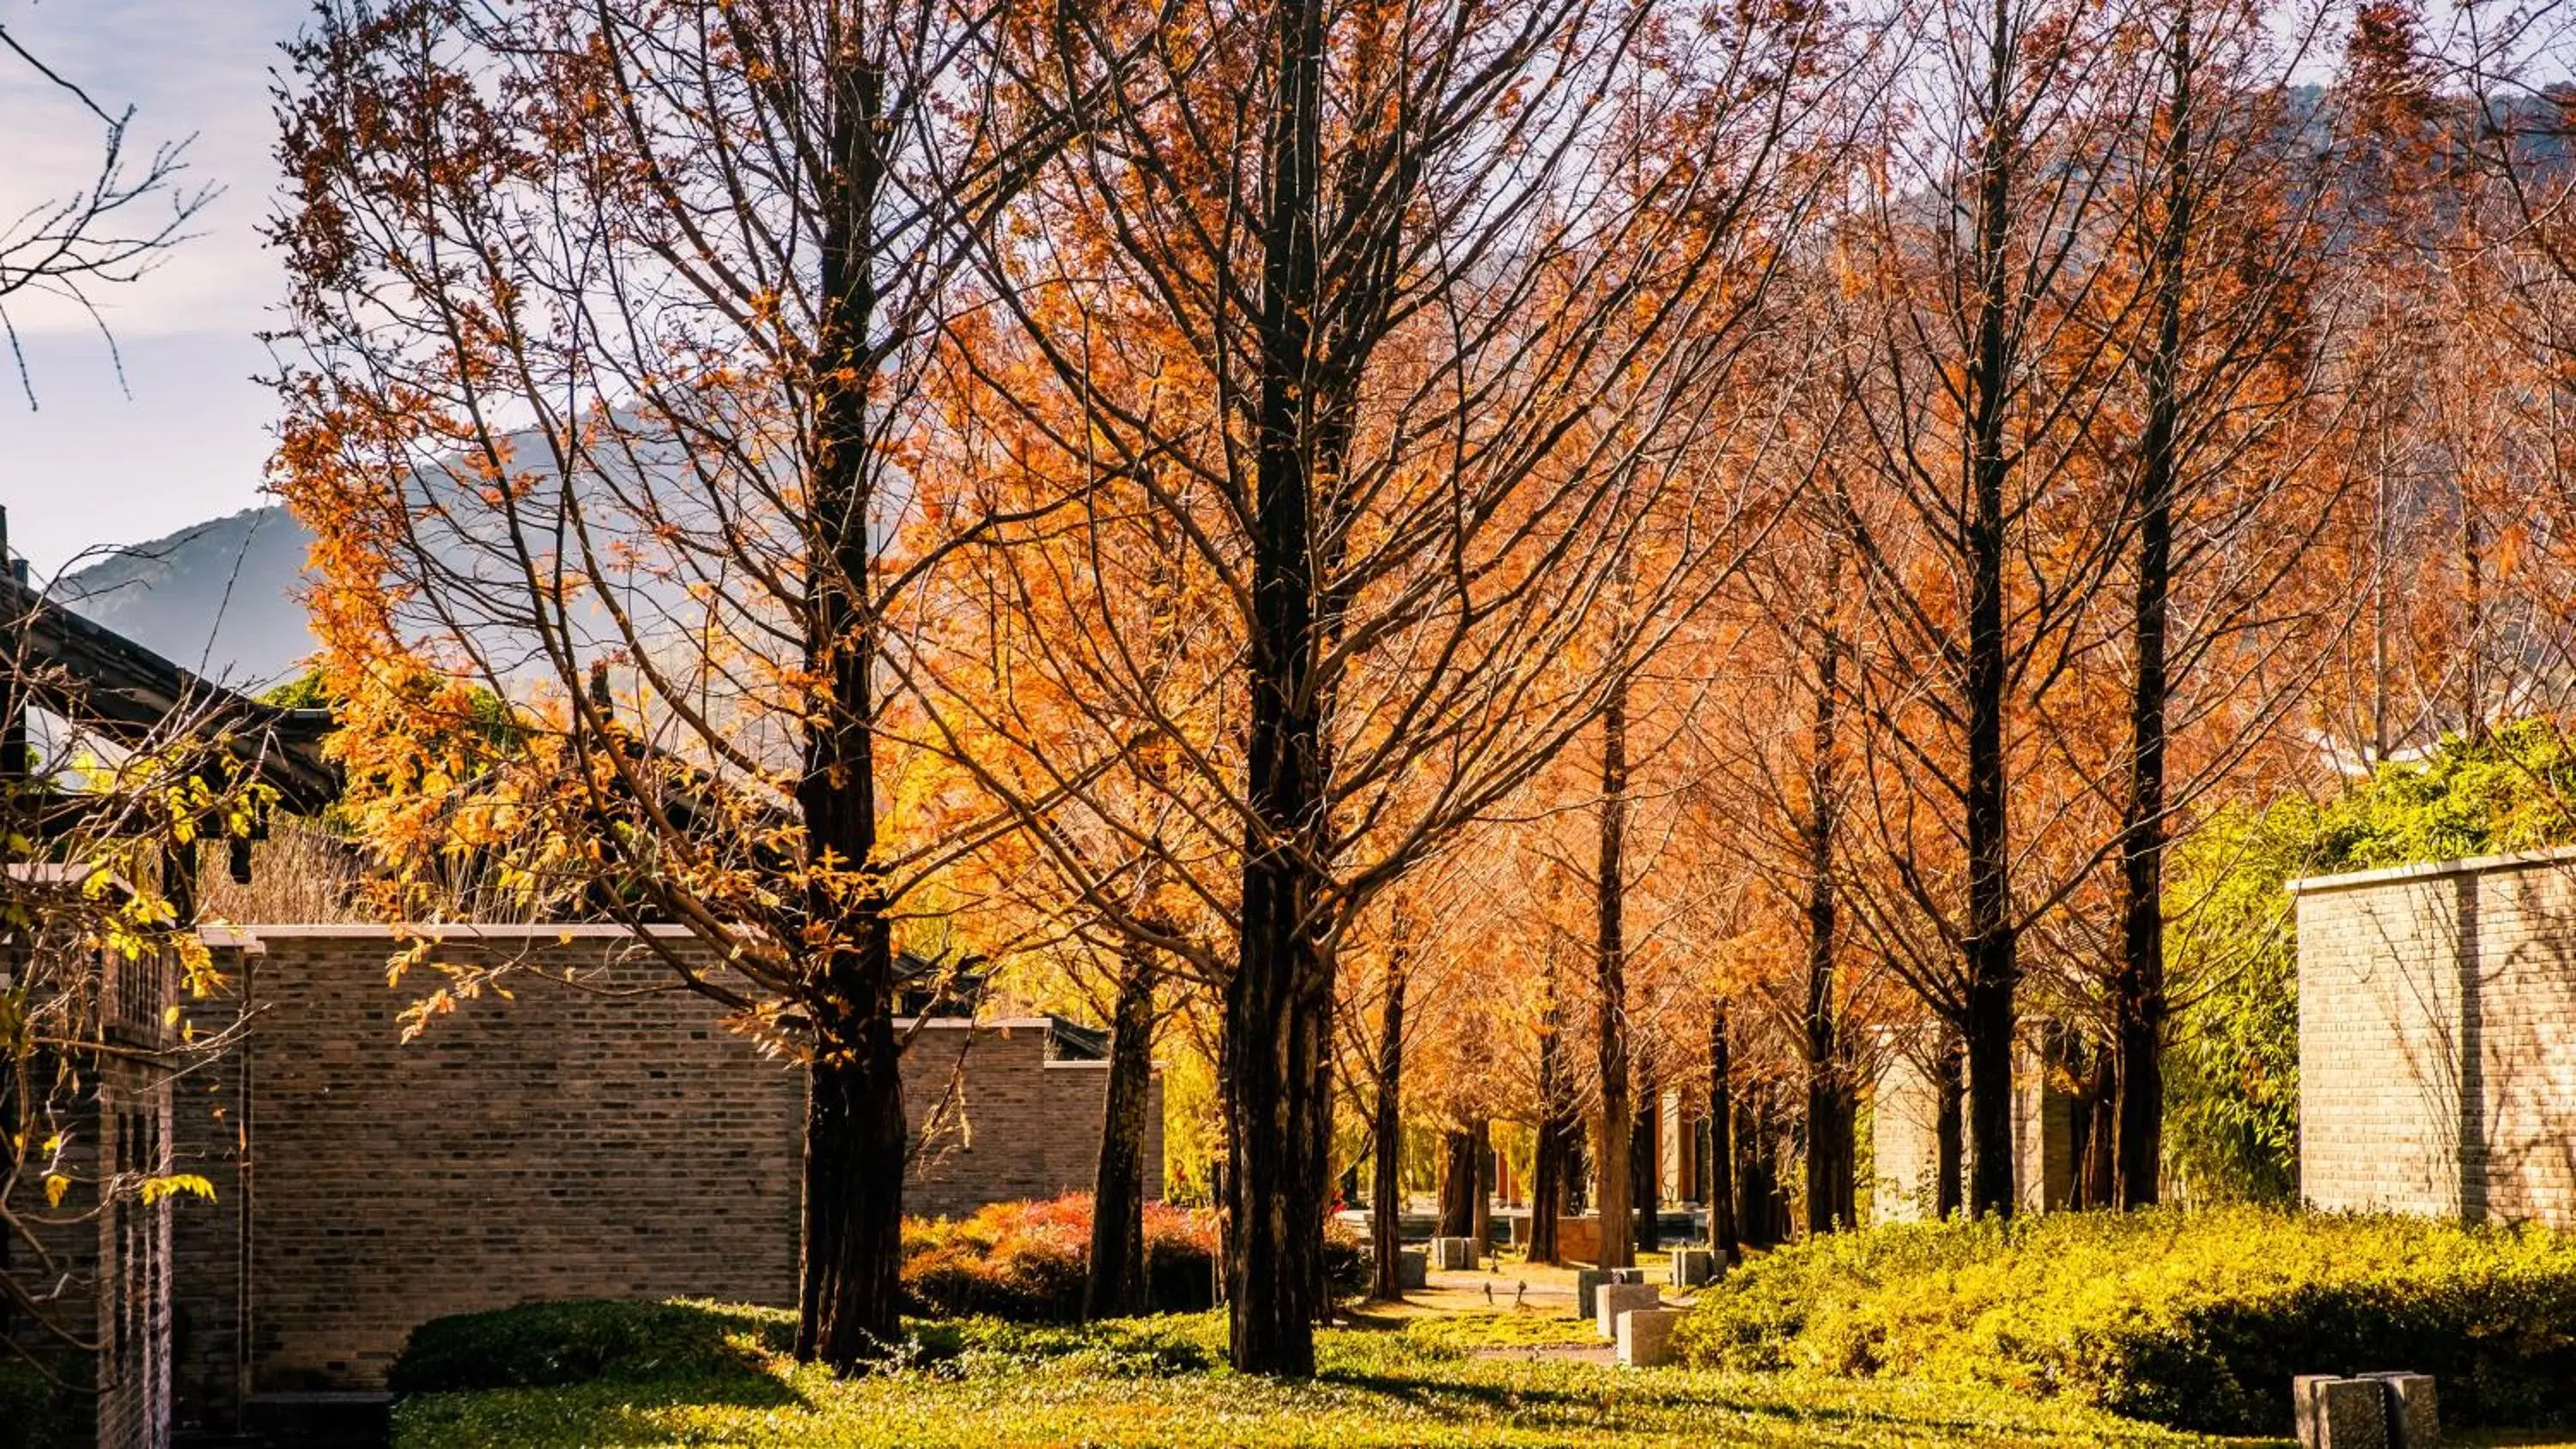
(1027, 1261)
(2196, 1319)
(34, 1414)
(544, 1345)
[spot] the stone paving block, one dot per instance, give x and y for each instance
(1617, 1298)
(2414, 1414)
(2340, 1413)
(1693, 1266)
(1412, 1269)
(1646, 1336)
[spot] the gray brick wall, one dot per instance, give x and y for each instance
(597, 1137)
(2437, 1039)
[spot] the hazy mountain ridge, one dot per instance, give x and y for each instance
(217, 597)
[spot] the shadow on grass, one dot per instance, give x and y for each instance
(1594, 1398)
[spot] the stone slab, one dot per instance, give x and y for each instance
(1646, 1336)
(1617, 1298)
(1453, 1255)
(2414, 1413)
(1412, 1269)
(1693, 1266)
(2339, 1413)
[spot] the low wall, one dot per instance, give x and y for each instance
(600, 1135)
(2437, 1039)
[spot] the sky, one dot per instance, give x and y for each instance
(184, 436)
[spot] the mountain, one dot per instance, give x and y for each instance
(216, 597)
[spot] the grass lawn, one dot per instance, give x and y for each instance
(1466, 1378)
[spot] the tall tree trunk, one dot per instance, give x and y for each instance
(1480, 1216)
(1612, 1133)
(1988, 954)
(1550, 1164)
(1646, 1165)
(1722, 1229)
(1831, 1150)
(2140, 1004)
(1386, 1186)
(1458, 1172)
(2097, 1149)
(1757, 1174)
(1116, 1286)
(1948, 1134)
(1279, 1000)
(855, 1134)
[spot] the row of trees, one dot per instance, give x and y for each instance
(1507, 553)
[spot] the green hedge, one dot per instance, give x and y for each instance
(2192, 1319)
(546, 1345)
(34, 1414)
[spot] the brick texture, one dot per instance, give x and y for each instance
(1905, 1141)
(2437, 1040)
(597, 1136)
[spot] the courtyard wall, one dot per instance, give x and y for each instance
(600, 1135)
(2437, 1038)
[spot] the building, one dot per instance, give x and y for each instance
(601, 1135)
(2437, 1038)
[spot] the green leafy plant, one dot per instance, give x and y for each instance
(542, 1345)
(2232, 1078)
(2195, 1319)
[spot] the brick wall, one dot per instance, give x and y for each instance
(2437, 1039)
(1905, 1142)
(599, 1137)
(1005, 1119)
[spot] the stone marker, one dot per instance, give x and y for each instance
(1453, 1255)
(2340, 1413)
(1646, 1336)
(1588, 1281)
(1618, 1298)
(1693, 1266)
(1587, 1287)
(1412, 1270)
(2414, 1418)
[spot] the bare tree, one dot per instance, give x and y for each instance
(1390, 316)
(612, 320)
(1982, 244)
(111, 232)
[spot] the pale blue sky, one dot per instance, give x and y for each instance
(89, 465)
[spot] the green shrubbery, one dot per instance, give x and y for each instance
(2232, 1077)
(1026, 1261)
(2193, 1319)
(1021, 1261)
(34, 1414)
(541, 1345)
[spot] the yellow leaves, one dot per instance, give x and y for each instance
(176, 1184)
(56, 1185)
